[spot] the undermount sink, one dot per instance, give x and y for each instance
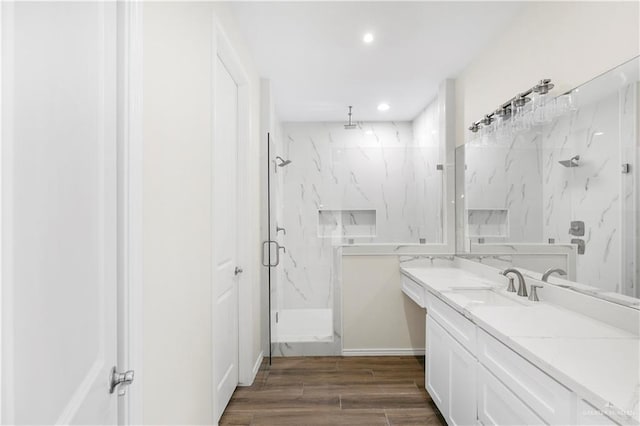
(487, 297)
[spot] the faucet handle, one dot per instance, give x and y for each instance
(534, 294)
(511, 288)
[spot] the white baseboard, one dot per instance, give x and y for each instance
(382, 352)
(257, 365)
(254, 371)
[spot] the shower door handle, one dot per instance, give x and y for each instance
(266, 261)
(277, 253)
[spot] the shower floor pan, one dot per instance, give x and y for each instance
(303, 325)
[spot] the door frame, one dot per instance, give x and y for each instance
(130, 206)
(6, 287)
(248, 219)
(130, 169)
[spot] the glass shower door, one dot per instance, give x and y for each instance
(271, 254)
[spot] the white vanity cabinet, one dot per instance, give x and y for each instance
(451, 376)
(473, 378)
(549, 399)
(450, 367)
(413, 290)
(497, 405)
(487, 363)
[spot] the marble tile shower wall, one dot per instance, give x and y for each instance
(382, 173)
(594, 192)
(542, 197)
(504, 175)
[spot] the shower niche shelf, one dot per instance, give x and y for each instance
(488, 223)
(346, 223)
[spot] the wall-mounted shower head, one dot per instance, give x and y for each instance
(571, 162)
(350, 125)
(281, 162)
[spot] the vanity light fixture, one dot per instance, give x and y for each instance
(368, 38)
(520, 100)
(543, 86)
(503, 113)
(488, 119)
(505, 110)
(383, 107)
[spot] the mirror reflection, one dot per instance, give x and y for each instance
(559, 182)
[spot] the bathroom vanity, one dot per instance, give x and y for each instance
(493, 357)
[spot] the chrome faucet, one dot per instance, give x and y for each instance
(522, 287)
(561, 272)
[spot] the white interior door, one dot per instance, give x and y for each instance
(225, 238)
(58, 212)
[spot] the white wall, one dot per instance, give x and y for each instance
(377, 314)
(177, 210)
(569, 42)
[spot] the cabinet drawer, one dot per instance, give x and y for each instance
(463, 330)
(497, 405)
(548, 398)
(414, 291)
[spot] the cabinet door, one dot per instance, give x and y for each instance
(438, 366)
(462, 386)
(497, 405)
(451, 376)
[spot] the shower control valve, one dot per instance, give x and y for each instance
(577, 228)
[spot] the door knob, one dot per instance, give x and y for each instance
(238, 271)
(117, 379)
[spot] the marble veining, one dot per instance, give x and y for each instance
(382, 178)
(522, 174)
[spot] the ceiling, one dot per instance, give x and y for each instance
(318, 64)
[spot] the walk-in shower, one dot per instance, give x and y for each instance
(380, 183)
(296, 322)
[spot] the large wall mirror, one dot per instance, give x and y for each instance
(559, 188)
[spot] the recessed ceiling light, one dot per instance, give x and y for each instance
(383, 107)
(368, 38)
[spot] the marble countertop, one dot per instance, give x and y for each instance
(597, 361)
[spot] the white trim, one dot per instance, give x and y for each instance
(383, 352)
(256, 368)
(399, 249)
(248, 231)
(2, 281)
(131, 357)
(446, 116)
(6, 216)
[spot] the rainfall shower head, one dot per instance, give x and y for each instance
(572, 162)
(350, 125)
(281, 162)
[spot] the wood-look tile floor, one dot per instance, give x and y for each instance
(304, 391)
